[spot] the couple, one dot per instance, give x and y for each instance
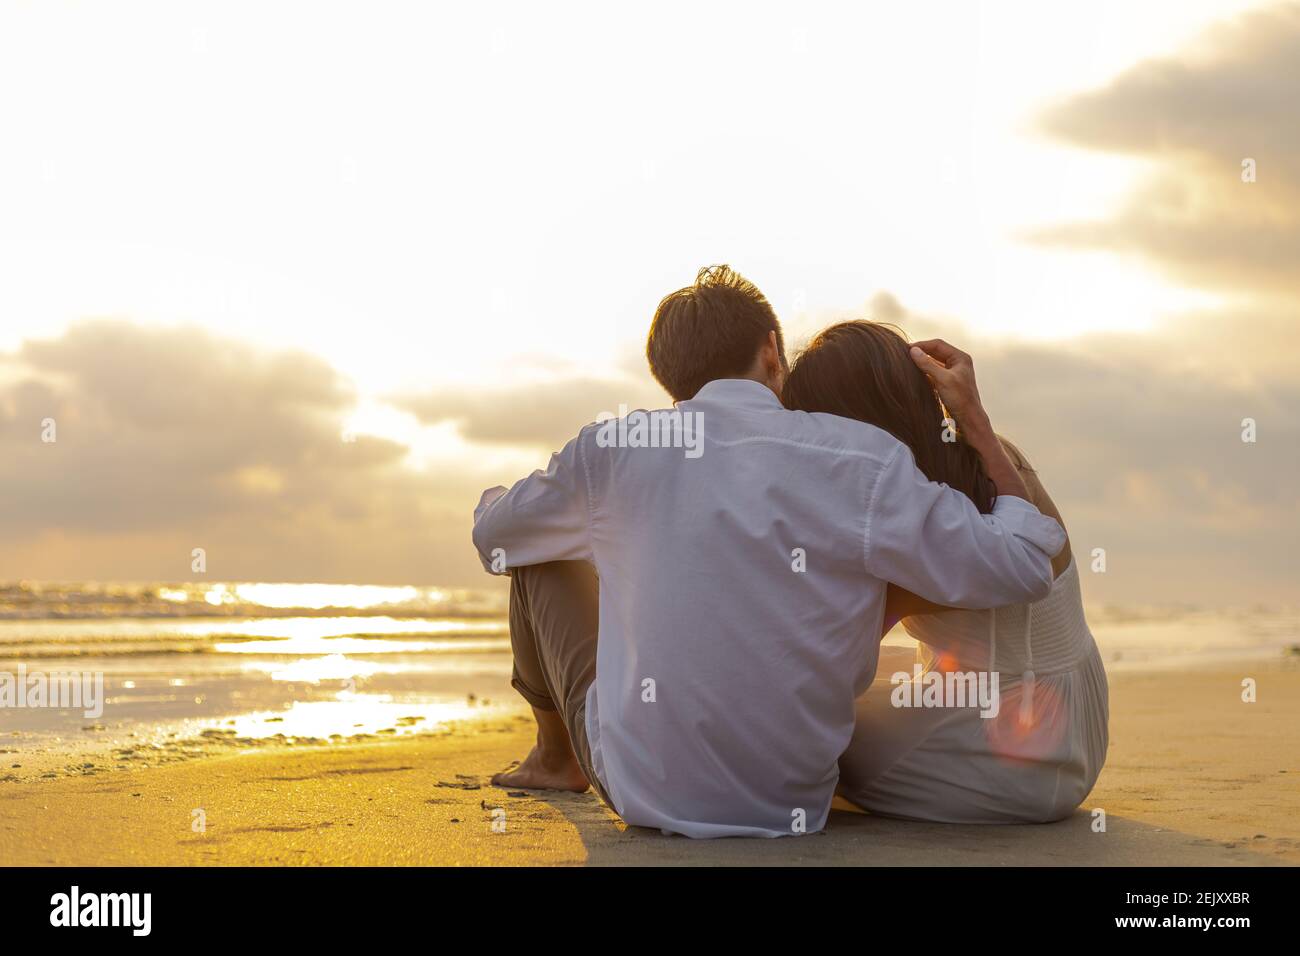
(698, 634)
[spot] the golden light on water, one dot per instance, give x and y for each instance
(72, 632)
(323, 595)
(354, 714)
(306, 596)
(349, 711)
(310, 643)
(313, 670)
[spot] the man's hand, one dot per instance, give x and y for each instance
(952, 372)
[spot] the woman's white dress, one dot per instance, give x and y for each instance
(1035, 761)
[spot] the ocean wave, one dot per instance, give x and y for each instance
(34, 600)
(275, 648)
(282, 636)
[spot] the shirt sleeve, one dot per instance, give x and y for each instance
(933, 541)
(544, 517)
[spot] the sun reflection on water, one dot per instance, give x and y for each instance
(353, 715)
(306, 644)
(323, 595)
(241, 664)
(313, 670)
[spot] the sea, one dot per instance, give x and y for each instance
(187, 667)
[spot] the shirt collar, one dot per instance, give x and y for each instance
(738, 391)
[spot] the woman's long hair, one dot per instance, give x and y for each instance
(863, 370)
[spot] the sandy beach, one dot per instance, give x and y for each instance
(1195, 777)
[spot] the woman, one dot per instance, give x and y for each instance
(1039, 756)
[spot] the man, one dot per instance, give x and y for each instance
(738, 593)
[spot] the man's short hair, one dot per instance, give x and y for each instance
(712, 329)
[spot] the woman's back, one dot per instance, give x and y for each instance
(1033, 759)
(1048, 637)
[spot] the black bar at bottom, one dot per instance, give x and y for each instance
(204, 906)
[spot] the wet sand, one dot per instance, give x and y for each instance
(1195, 777)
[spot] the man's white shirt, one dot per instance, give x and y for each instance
(742, 592)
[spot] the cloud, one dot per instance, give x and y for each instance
(170, 439)
(541, 414)
(1196, 117)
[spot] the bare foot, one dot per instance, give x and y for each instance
(544, 770)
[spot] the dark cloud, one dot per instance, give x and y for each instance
(544, 414)
(171, 439)
(1197, 116)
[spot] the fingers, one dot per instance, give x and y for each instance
(945, 352)
(930, 366)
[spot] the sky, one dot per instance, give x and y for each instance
(296, 282)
